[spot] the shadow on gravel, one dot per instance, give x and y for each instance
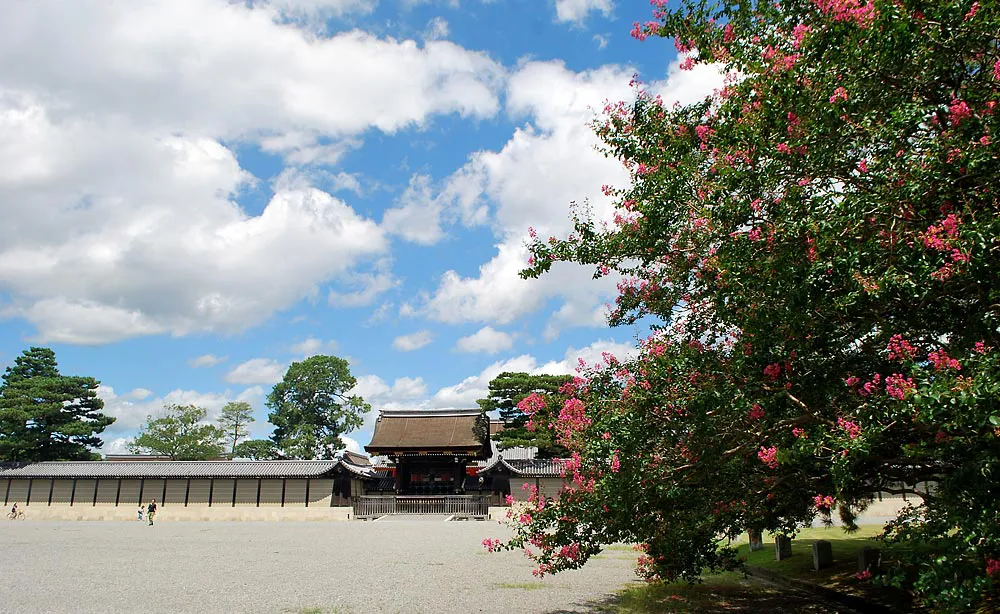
(715, 596)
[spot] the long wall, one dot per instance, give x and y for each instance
(179, 499)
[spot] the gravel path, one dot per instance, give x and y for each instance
(405, 566)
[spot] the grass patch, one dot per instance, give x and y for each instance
(841, 575)
(525, 586)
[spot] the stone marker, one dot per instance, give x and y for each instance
(756, 540)
(869, 559)
(822, 554)
(782, 547)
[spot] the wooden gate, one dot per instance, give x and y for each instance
(468, 506)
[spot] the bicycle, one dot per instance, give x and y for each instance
(18, 516)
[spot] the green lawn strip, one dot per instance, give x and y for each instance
(841, 575)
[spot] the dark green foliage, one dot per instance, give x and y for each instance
(257, 449)
(180, 434)
(47, 416)
(311, 408)
(507, 390)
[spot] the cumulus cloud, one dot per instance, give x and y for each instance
(486, 340)
(472, 388)
(413, 341)
(578, 10)
(548, 163)
(257, 371)
(437, 28)
(130, 413)
(311, 346)
(207, 360)
(118, 176)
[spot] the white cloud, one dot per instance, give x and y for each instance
(413, 341)
(486, 340)
(118, 193)
(437, 28)
(473, 388)
(577, 10)
(207, 360)
(418, 218)
(352, 444)
(311, 346)
(601, 40)
(365, 286)
(407, 388)
(547, 164)
(257, 371)
(130, 413)
(140, 393)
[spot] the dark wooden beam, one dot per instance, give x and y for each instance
(258, 492)
(52, 486)
(211, 490)
(118, 493)
(72, 493)
(187, 491)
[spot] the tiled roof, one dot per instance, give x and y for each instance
(509, 453)
(175, 469)
(528, 467)
(430, 430)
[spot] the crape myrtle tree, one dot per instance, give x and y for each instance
(47, 416)
(511, 393)
(821, 242)
(312, 406)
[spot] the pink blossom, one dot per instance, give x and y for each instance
(852, 429)
(863, 575)
(848, 10)
(942, 361)
(980, 348)
(688, 63)
(898, 386)
(768, 456)
(972, 11)
(958, 112)
(783, 148)
(509, 499)
(756, 412)
(863, 166)
(728, 34)
(838, 94)
(532, 404)
(704, 132)
(772, 371)
(491, 545)
(800, 433)
(799, 33)
(992, 567)
(852, 381)
(616, 464)
(900, 349)
(637, 32)
(996, 70)
(823, 503)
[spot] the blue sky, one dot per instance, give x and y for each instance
(198, 192)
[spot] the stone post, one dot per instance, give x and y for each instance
(822, 554)
(756, 540)
(869, 559)
(782, 547)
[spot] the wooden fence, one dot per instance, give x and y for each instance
(373, 506)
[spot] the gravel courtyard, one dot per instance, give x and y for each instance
(394, 565)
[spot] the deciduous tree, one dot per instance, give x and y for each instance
(311, 408)
(181, 434)
(820, 240)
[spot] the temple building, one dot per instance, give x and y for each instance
(430, 450)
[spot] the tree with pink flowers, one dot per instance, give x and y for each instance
(819, 243)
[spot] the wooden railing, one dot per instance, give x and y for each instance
(373, 506)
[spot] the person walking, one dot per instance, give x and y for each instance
(151, 511)
(140, 513)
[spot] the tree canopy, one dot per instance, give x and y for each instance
(820, 242)
(181, 434)
(311, 407)
(257, 449)
(233, 421)
(509, 392)
(47, 416)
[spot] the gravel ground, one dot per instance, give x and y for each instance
(406, 566)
